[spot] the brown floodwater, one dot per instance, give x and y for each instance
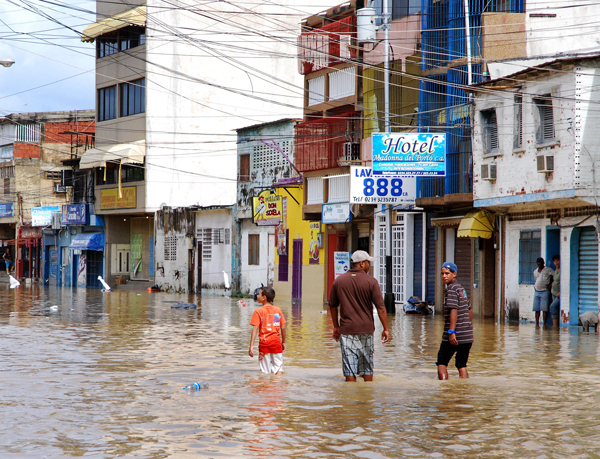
(101, 376)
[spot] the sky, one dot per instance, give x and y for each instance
(53, 69)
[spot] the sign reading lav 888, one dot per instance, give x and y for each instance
(409, 154)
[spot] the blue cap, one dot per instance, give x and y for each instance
(451, 266)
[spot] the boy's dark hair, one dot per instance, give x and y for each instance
(556, 257)
(269, 293)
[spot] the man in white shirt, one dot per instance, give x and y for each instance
(543, 283)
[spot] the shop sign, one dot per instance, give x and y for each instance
(342, 263)
(421, 155)
(109, 198)
(7, 209)
(30, 231)
(267, 209)
(42, 216)
(316, 243)
(75, 214)
(366, 188)
(336, 213)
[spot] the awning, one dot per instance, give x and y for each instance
(477, 224)
(125, 153)
(135, 16)
(88, 241)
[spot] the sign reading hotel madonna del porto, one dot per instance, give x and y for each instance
(421, 155)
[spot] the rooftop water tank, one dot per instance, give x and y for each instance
(365, 25)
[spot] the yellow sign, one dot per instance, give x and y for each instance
(267, 209)
(109, 199)
(314, 246)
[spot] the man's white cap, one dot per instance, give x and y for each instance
(361, 255)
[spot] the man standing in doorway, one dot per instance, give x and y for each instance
(354, 293)
(543, 276)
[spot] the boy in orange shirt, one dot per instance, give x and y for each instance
(268, 323)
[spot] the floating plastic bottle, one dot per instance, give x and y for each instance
(196, 386)
(242, 303)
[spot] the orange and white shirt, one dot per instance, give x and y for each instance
(269, 319)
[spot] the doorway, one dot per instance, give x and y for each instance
(297, 270)
(199, 277)
(552, 248)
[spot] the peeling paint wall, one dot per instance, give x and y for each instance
(216, 253)
(174, 248)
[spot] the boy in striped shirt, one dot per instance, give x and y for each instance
(458, 326)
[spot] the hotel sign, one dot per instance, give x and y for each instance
(397, 154)
(109, 198)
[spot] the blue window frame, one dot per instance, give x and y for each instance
(530, 248)
(107, 103)
(133, 97)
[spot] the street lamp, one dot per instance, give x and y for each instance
(6, 62)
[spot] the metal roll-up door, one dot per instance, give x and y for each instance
(418, 256)
(431, 262)
(462, 258)
(588, 270)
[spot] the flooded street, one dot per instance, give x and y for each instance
(102, 377)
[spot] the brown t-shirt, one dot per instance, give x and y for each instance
(355, 293)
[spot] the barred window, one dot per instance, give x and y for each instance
(170, 248)
(53, 175)
(530, 248)
(7, 172)
(207, 244)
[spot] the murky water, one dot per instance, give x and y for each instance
(102, 377)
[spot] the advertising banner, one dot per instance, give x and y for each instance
(75, 214)
(42, 216)
(365, 188)
(109, 198)
(7, 209)
(336, 213)
(342, 263)
(314, 247)
(267, 209)
(421, 155)
(281, 230)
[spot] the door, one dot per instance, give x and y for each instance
(588, 270)
(552, 248)
(462, 258)
(191, 270)
(199, 277)
(297, 271)
(94, 260)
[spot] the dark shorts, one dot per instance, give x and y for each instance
(447, 350)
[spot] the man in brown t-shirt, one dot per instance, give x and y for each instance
(354, 293)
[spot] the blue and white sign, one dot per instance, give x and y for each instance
(342, 263)
(336, 213)
(42, 216)
(366, 188)
(421, 155)
(7, 209)
(75, 214)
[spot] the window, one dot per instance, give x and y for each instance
(207, 244)
(53, 175)
(6, 153)
(107, 45)
(7, 172)
(489, 130)
(128, 174)
(518, 117)
(107, 103)
(545, 119)
(131, 37)
(170, 248)
(530, 247)
(133, 97)
(122, 40)
(244, 168)
(28, 133)
(253, 249)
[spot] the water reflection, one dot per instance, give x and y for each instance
(101, 375)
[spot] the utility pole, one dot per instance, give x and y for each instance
(389, 300)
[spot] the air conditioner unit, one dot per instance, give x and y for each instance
(56, 221)
(545, 163)
(58, 188)
(350, 152)
(489, 172)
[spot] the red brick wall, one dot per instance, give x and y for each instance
(26, 150)
(52, 131)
